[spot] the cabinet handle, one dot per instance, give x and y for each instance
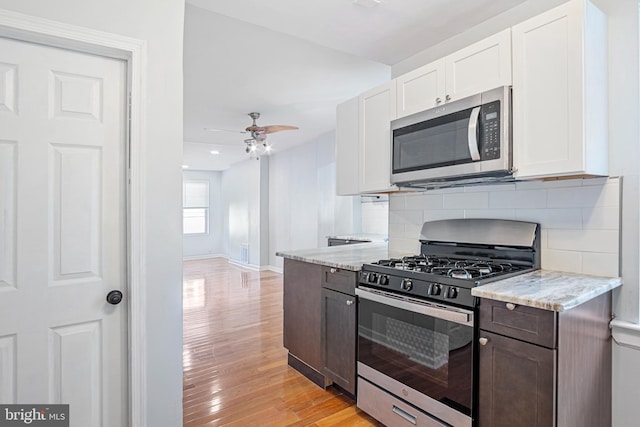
(511, 306)
(438, 100)
(349, 302)
(333, 270)
(483, 341)
(448, 97)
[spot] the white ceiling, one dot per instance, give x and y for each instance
(293, 61)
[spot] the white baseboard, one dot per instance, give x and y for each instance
(207, 256)
(626, 334)
(275, 269)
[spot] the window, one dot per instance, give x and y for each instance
(195, 207)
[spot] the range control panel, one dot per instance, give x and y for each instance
(436, 291)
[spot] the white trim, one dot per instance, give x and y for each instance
(38, 30)
(275, 269)
(197, 257)
(626, 334)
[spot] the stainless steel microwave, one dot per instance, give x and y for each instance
(464, 141)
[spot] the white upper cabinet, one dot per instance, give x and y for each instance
(560, 111)
(482, 66)
(377, 107)
(421, 89)
(347, 155)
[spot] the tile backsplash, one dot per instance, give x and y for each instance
(579, 218)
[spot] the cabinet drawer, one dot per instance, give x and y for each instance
(389, 410)
(339, 280)
(528, 324)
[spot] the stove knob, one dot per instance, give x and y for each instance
(373, 278)
(451, 293)
(406, 284)
(384, 280)
(434, 289)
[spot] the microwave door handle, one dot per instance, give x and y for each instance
(473, 132)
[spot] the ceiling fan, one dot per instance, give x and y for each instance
(258, 134)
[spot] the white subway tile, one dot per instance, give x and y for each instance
(405, 217)
(584, 196)
(424, 201)
(584, 240)
(521, 199)
(603, 218)
(600, 264)
(397, 201)
(507, 186)
(570, 261)
(466, 201)
(412, 231)
(446, 190)
(403, 247)
(531, 185)
(490, 213)
(435, 215)
(552, 218)
(396, 230)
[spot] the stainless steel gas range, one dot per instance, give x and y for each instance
(417, 333)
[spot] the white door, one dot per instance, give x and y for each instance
(63, 231)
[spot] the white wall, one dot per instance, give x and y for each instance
(162, 27)
(303, 206)
(210, 244)
(242, 195)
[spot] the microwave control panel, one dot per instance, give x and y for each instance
(490, 131)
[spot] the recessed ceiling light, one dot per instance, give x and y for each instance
(185, 166)
(214, 152)
(367, 3)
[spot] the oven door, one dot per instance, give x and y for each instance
(421, 352)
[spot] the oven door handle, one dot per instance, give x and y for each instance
(452, 314)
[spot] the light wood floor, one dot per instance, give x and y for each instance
(235, 367)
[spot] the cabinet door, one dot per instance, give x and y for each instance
(482, 66)
(516, 383)
(420, 89)
(302, 311)
(559, 119)
(347, 148)
(339, 338)
(377, 109)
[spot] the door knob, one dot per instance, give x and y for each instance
(114, 297)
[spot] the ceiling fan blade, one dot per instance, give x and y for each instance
(270, 129)
(224, 130)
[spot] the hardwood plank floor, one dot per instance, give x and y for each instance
(235, 367)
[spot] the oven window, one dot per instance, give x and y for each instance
(438, 142)
(430, 355)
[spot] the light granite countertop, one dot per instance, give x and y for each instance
(347, 257)
(546, 289)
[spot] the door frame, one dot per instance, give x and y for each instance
(29, 28)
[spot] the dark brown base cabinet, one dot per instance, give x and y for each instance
(320, 322)
(339, 317)
(543, 368)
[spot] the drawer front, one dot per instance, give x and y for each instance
(389, 410)
(528, 324)
(339, 280)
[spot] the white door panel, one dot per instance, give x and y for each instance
(63, 231)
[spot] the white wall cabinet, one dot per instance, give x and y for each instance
(560, 109)
(377, 107)
(482, 66)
